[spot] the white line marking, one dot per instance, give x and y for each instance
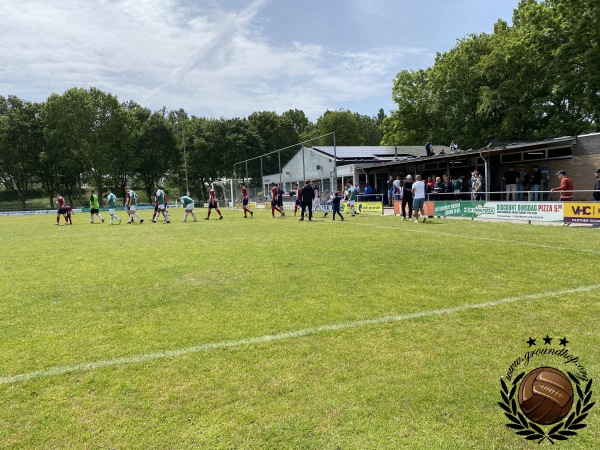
(86, 367)
(480, 238)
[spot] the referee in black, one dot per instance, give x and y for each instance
(308, 195)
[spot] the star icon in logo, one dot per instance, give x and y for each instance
(531, 342)
(548, 340)
(563, 341)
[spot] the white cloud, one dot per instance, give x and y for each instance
(197, 56)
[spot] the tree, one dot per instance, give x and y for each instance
(456, 81)
(21, 141)
(369, 129)
(412, 122)
(155, 152)
(299, 120)
(110, 137)
(343, 123)
(68, 119)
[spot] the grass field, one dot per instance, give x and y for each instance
(274, 334)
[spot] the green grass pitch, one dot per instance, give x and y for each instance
(274, 334)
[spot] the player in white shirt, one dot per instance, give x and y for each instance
(111, 202)
(418, 190)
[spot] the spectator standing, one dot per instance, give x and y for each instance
(390, 190)
(565, 188)
(418, 191)
(397, 187)
(448, 188)
(522, 183)
(536, 184)
(476, 186)
(368, 191)
(453, 147)
(438, 189)
(511, 179)
(308, 195)
(457, 187)
(597, 186)
(429, 149)
(407, 197)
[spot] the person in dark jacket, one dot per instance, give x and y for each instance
(407, 198)
(597, 186)
(308, 195)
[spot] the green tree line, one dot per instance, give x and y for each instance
(87, 138)
(536, 79)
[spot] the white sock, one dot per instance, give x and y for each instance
(193, 215)
(185, 217)
(166, 215)
(100, 215)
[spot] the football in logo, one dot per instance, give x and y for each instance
(545, 395)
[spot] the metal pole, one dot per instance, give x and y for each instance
(279, 158)
(334, 162)
(262, 185)
(187, 189)
(246, 171)
(303, 167)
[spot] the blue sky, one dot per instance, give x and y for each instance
(231, 58)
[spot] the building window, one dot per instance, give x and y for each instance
(560, 152)
(511, 158)
(532, 156)
(537, 155)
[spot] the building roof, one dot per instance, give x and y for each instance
(376, 153)
(493, 148)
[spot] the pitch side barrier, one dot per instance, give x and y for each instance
(75, 210)
(565, 212)
(366, 204)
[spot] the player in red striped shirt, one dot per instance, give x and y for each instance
(61, 208)
(298, 199)
(213, 203)
(274, 198)
(245, 201)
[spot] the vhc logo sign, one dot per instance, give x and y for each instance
(582, 210)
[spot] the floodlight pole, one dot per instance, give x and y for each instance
(333, 189)
(187, 189)
(303, 168)
(279, 158)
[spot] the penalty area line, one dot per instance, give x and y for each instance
(90, 366)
